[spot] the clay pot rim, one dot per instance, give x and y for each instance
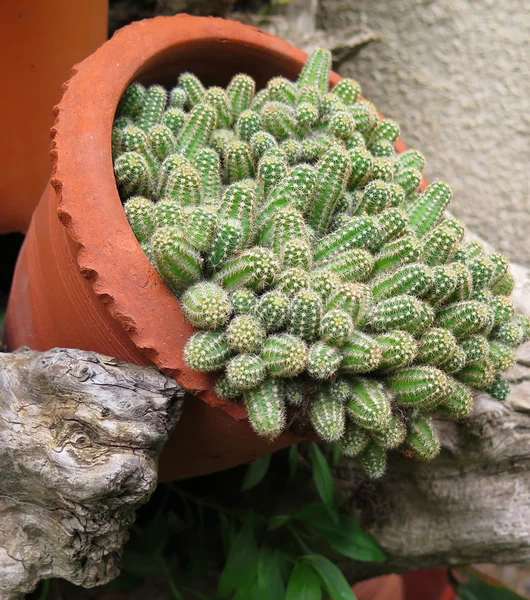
(81, 156)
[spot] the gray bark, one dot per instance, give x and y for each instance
(80, 435)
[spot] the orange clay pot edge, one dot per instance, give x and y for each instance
(82, 145)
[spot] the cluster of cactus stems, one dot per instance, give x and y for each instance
(317, 275)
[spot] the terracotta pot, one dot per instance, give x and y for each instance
(428, 584)
(40, 41)
(82, 279)
(388, 587)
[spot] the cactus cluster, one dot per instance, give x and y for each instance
(317, 274)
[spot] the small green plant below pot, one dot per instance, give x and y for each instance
(320, 280)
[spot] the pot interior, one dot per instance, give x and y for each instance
(215, 62)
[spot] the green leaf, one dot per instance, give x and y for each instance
(256, 472)
(270, 578)
(337, 453)
(332, 578)
(277, 521)
(323, 479)
(477, 589)
(346, 535)
(304, 584)
(241, 564)
(293, 461)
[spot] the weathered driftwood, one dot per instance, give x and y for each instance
(80, 435)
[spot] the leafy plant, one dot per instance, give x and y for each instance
(322, 281)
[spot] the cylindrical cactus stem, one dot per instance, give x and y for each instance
(377, 196)
(329, 105)
(502, 308)
(328, 417)
(245, 371)
(239, 202)
(134, 139)
(479, 375)
(323, 362)
(444, 281)
(404, 250)
(217, 98)
(297, 253)
(316, 71)
(292, 281)
(501, 266)
(398, 349)
(355, 142)
(272, 308)
(207, 351)
(288, 224)
(161, 141)
(358, 232)
(308, 95)
(284, 355)
(324, 283)
(336, 326)
(402, 312)
(499, 389)
(429, 208)
(383, 168)
(382, 148)
(260, 99)
(456, 361)
(225, 391)
(266, 409)
(240, 90)
(364, 114)
(419, 386)
(227, 240)
(119, 126)
(244, 301)
(476, 349)
(458, 403)
(140, 213)
(245, 333)
(193, 87)
(512, 333)
(469, 251)
(502, 356)
(305, 314)
(132, 173)
(220, 138)
(333, 171)
(152, 108)
(465, 318)
(306, 114)
(178, 97)
(294, 190)
(354, 439)
(339, 388)
(180, 181)
(414, 279)
(168, 213)
(280, 120)
(392, 436)
(436, 346)
(348, 90)
(261, 141)
(131, 102)
(174, 119)
(482, 270)
(207, 163)
(294, 391)
(176, 259)
(391, 224)
(201, 225)
(369, 405)
(282, 90)
(354, 298)
(409, 180)
(374, 460)
(440, 245)
(206, 305)
(255, 268)
(410, 159)
(360, 354)
(271, 170)
(342, 124)
(387, 130)
(197, 130)
(238, 161)
(354, 264)
(422, 439)
(247, 125)
(292, 149)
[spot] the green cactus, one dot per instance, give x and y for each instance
(297, 241)
(284, 355)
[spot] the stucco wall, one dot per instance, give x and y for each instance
(456, 75)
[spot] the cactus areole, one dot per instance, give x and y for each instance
(305, 273)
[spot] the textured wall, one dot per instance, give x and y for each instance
(456, 75)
